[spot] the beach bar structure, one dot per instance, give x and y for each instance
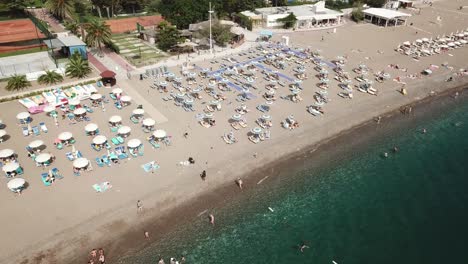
(385, 17)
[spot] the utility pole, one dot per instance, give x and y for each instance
(211, 36)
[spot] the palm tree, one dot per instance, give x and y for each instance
(73, 26)
(77, 67)
(60, 8)
(50, 77)
(98, 33)
(17, 82)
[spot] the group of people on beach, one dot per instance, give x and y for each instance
(96, 256)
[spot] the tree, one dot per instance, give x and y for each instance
(17, 82)
(376, 3)
(73, 26)
(153, 6)
(168, 37)
(50, 77)
(60, 8)
(221, 33)
(77, 67)
(289, 21)
(98, 33)
(357, 15)
(16, 7)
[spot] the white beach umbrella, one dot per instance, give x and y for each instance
(138, 111)
(266, 117)
(16, 183)
(149, 122)
(23, 116)
(116, 91)
(96, 97)
(43, 157)
(49, 108)
(115, 119)
(123, 130)
(163, 83)
(74, 102)
(270, 92)
(256, 130)
(36, 143)
(6, 153)
(188, 101)
(134, 143)
(2, 133)
(79, 111)
(91, 127)
(10, 167)
(159, 133)
(236, 117)
(65, 136)
(99, 140)
(80, 163)
(125, 98)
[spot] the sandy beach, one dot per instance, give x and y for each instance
(63, 222)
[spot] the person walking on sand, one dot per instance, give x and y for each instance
(139, 206)
(212, 219)
(239, 183)
(203, 175)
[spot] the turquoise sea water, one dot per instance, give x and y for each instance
(358, 208)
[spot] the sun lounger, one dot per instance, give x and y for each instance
(95, 147)
(56, 173)
(113, 96)
(44, 177)
(154, 144)
(120, 139)
(106, 160)
(254, 139)
(43, 127)
(70, 156)
(115, 141)
(102, 187)
(114, 129)
(99, 84)
(99, 162)
(141, 151)
(133, 153)
(134, 119)
(36, 130)
(120, 152)
(150, 166)
(28, 103)
(235, 125)
(79, 154)
(242, 124)
(59, 146)
(107, 145)
(118, 105)
(25, 131)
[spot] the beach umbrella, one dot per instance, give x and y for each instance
(96, 97)
(36, 143)
(23, 116)
(80, 163)
(209, 115)
(65, 136)
(16, 183)
(178, 79)
(43, 157)
(451, 44)
(270, 92)
(125, 98)
(196, 90)
(159, 134)
(163, 83)
(205, 70)
(79, 111)
(192, 74)
(211, 84)
(180, 95)
(74, 102)
(49, 109)
(117, 91)
(236, 117)
(138, 111)
(99, 140)
(6, 153)
(115, 119)
(91, 127)
(295, 91)
(225, 80)
(266, 117)
(149, 122)
(134, 143)
(256, 130)
(214, 102)
(123, 130)
(216, 74)
(170, 74)
(2, 133)
(10, 167)
(250, 80)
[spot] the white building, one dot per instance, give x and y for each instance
(308, 16)
(385, 17)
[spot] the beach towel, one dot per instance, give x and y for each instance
(150, 166)
(102, 187)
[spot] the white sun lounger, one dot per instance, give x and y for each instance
(28, 103)
(50, 97)
(90, 88)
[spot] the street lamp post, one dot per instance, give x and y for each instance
(211, 36)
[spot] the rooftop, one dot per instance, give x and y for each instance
(385, 13)
(71, 41)
(302, 11)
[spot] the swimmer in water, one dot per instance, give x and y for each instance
(385, 155)
(212, 219)
(395, 149)
(424, 131)
(303, 246)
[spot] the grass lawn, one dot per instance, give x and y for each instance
(20, 52)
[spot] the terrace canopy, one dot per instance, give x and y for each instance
(385, 17)
(108, 77)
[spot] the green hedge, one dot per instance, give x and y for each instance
(243, 21)
(112, 46)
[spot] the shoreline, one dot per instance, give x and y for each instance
(192, 210)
